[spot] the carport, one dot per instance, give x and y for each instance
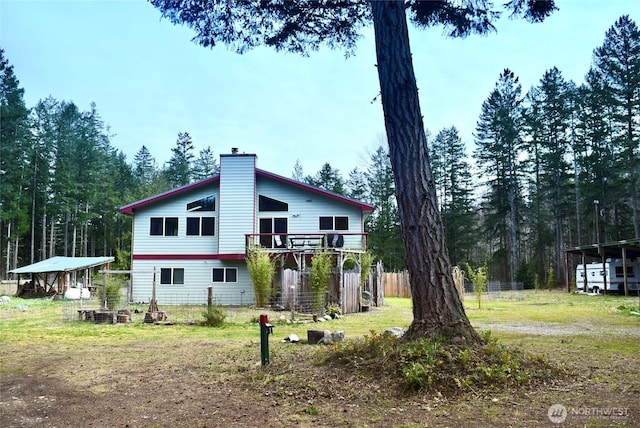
(54, 275)
(624, 250)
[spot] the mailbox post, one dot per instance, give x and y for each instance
(265, 330)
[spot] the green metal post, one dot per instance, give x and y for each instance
(265, 330)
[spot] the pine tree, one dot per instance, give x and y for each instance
(452, 174)
(552, 122)
(383, 225)
(179, 168)
(14, 173)
(618, 61)
(499, 145)
(357, 185)
(328, 179)
(206, 165)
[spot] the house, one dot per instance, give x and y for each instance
(197, 236)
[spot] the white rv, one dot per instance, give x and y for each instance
(614, 271)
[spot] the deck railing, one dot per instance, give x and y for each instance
(308, 241)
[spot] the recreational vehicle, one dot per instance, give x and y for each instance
(613, 272)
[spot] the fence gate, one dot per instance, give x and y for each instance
(350, 293)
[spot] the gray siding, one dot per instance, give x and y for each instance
(144, 243)
(197, 279)
(305, 209)
(237, 202)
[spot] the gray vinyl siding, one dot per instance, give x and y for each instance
(306, 208)
(197, 279)
(145, 243)
(237, 202)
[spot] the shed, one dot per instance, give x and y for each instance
(53, 272)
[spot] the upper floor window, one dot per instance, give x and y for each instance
(172, 276)
(268, 204)
(334, 223)
(164, 226)
(201, 226)
(225, 275)
(208, 203)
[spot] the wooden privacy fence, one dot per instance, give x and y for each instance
(397, 284)
(295, 292)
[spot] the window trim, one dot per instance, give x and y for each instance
(172, 276)
(333, 222)
(163, 225)
(200, 225)
(224, 275)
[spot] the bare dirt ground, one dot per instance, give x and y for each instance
(198, 383)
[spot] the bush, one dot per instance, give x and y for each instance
(321, 265)
(479, 279)
(114, 294)
(261, 269)
(214, 316)
(441, 367)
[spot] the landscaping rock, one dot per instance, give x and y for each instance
(337, 336)
(293, 338)
(314, 336)
(395, 331)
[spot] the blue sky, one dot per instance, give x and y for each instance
(149, 81)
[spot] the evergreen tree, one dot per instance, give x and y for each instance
(597, 162)
(357, 185)
(383, 225)
(499, 145)
(618, 61)
(452, 174)
(553, 123)
(179, 169)
(144, 166)
(206, 165)
(328, 179)
(297, 174)
(14, 173)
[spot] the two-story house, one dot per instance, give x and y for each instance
(197, 236)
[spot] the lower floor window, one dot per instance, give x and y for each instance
(225, 275)
(171, 276)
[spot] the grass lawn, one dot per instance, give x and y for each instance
(75, 373)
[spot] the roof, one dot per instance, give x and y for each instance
(63, 264)
(610, 250)
(130, 208)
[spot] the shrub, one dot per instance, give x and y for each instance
(114, 295)
(321, 265)
(479, 279)
(442, 368)
(214, 316)
(261, 269)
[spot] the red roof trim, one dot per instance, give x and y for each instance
(188, 256)
(129, 209)
(363, 207)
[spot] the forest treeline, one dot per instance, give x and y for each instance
(554, 166)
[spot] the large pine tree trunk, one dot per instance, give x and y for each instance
(437, 309)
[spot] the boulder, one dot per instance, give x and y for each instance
(395, 331)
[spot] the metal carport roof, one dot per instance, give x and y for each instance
(610, 250)
(63, 264)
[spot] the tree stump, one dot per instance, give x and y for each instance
(315, 336)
